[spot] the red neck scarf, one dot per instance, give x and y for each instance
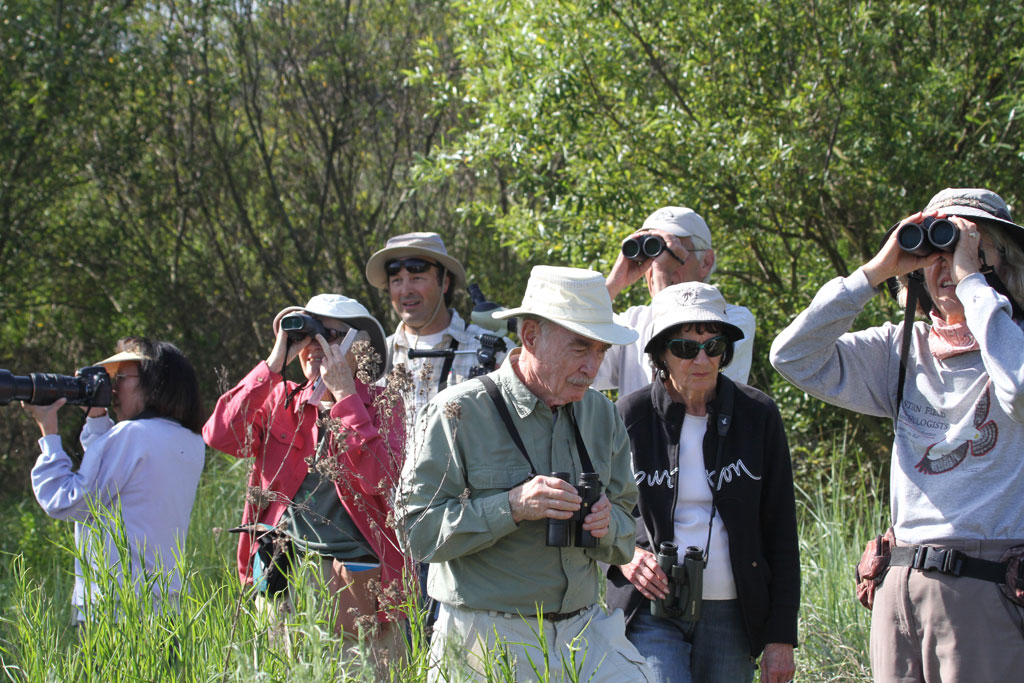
(946, 340)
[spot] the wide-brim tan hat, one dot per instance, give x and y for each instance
(687, 303)
(574, 298)
(428, 245)
(114, 363)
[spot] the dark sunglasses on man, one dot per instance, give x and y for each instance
(414, 265)
(687, 349)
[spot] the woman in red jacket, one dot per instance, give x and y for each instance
(326, 462)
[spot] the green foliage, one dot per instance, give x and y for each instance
(799, 131)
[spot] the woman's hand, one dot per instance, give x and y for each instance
(966, 260)
(276, 360)
(777, 665)
(645, 574)
(892, 261)
(337, 370)
(45, 416)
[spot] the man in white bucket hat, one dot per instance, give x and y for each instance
(481, 502)
(683, 255)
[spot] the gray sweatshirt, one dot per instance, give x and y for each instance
(958, 451)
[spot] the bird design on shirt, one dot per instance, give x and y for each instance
(977, 440)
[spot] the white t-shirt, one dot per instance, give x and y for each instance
(693, 510)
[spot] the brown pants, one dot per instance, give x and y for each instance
(932, 628)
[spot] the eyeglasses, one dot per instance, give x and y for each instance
(413, 265)
(687, 349)
(118, 377)
(332, 335)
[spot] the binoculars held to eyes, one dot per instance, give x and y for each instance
(685, 583)
(298, 326)
(931, 235)
(91, 387)
(642, 247)
(561, 531)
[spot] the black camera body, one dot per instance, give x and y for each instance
(298, 326)
(685, 583)
(642, 247)
(930, 235)
(91, 387)
(561, 532)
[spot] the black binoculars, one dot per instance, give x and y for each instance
(298, 326)
(561, 531)
(685, 583)
(90, 387)
(642, 247)
(932, 234)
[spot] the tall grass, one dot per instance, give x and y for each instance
(219, 635)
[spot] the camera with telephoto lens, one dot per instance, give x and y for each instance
(298, 326)
(561, 531)
(642, 247)
(91, 387)
(930, 235)
(685, 583)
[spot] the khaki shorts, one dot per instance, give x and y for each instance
(467, 644)
(936, 627)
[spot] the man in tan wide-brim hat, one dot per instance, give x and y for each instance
(421, 279)
(487, 499)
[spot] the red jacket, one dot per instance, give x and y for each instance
(251, 421)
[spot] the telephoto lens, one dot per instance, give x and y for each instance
(559, 533)
(589, 488)
(91, 387)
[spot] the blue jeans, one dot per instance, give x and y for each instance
(713, 651)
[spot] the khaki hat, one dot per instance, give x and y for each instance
(429, 245)
(574, 298)
(689, 302)
(681, 222)
(113, 364)
(973, 203)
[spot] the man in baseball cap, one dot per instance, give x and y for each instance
(680, 251)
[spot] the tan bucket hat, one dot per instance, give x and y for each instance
(574, 298)
(689, 302)
(429, 245)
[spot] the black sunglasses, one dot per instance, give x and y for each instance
(413, 265)
(332, 335)
(687, 349)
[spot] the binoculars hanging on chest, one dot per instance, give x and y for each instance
(561, 532)
(685, 583)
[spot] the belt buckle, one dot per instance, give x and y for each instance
(929, 559)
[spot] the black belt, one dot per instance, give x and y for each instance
(547, 616)
(947, 561)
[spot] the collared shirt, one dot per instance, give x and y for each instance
(426, 372)
(627, 367)
(455, 507)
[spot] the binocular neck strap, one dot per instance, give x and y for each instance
(506, 417)
(915, 285)
(724, 421)
(585, 462)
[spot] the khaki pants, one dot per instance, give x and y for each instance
(936, 628)
(467, 644)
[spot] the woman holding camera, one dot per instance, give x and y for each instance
(147, 464)
(326, 461)
(712, 465)
(949, 607)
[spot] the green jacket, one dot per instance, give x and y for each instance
(454, 504)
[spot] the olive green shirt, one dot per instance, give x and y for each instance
(454, 502)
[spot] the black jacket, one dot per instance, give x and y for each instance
(759, 510)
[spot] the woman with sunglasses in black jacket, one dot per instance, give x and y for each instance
(712, 465)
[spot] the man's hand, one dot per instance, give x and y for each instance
(645, 574)
(624, 273)
(45, 416)
(777, 663)
(545, 497)
(599, 518)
